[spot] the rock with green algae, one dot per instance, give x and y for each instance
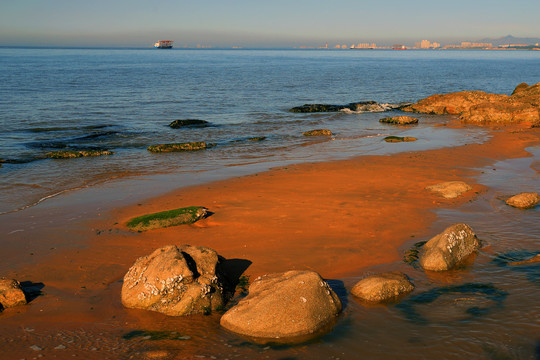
(186, 215)
(69, 154)
(395, 139)
(318, 132)
(190, 146)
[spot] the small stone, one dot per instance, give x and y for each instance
(383, 287)
(524, 200)
(11, 293)
(60, 347)
(396, 139)
(36, 348)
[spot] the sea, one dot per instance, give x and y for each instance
(123, 100)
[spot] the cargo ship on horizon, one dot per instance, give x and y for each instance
(164, 44)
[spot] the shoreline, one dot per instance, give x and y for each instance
(338, 218)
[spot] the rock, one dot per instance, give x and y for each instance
(361, 106)
(311, 108)
(318, 132)
(284, 305)
(187, 215)
(478, 107)
(399, 120)
(68, 154)
(176, 124)
(191, 146)
(395, 139)
(534, 259)
(257, 138)
(524, 200)
(383, 287)
(450, 189)
(449, 249)
(11, 293)
(177, 281)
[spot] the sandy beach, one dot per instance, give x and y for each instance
(338, 218)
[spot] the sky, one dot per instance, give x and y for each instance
(261, 24)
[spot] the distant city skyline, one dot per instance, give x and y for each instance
(279, 23)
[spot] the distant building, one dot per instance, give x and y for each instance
(426, 44)
(364, 46)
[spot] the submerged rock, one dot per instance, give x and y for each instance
(399, 120)
(191, 146)
(449, 249)
(524, 200)
(395, 139)
(284, 305)
(479, 107)
(361, 106)
(257, 138)
(176, 124)
(383, 287)
(318, 132)
(11, 293)
(68, 154)
(187, 215)
(176, 281)
(450, 189)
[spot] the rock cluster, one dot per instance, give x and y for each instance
(318, 132)
(450, 189)
(399, 120)
(383, 287)
(288, 304)
(11, 293)
(177, 281)
(449, 249)
(524, 200)
(479, 107)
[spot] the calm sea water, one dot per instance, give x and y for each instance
(123, 100)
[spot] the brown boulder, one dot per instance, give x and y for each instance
(524, 200)
(449, 249)
(11, 293)
(400, 120)
(284, 305)
(383, 287)
(450, 189)
(453, 103)
(318, 132)
(176, 281)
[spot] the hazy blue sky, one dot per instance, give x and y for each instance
(269, 23)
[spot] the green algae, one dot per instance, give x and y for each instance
(187, 215)
(69, 154)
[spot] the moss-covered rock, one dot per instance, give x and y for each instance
(394, 139)
(318, 132)
(191, 146)
(68, 154)
(176, 124)
(257, 138)
(187, 215)
(399, 120)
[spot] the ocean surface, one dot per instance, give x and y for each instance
(123, 101)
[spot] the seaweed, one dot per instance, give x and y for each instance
(186, 215)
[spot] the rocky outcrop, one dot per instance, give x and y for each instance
(450, 189)
(396, 139)
(177, 124)
(68, 154)
(318, 132)
(399, 120)
(187, 215)
(362, 106)
(449, 249)
(191, 146)
(284, 305)
(524, 200)
(177, 281)
(11, 293)
(478, 107)
(383, 287)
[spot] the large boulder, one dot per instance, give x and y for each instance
(449, 249)
(524, 200)
(383, 287)
(450, 189)
(11, 293)
(523, 106)
(177, 280)
(284, 305)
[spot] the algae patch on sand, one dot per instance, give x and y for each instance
(187, 215)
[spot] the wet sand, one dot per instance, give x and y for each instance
(338, 218)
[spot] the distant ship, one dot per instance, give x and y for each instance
(163, 44)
